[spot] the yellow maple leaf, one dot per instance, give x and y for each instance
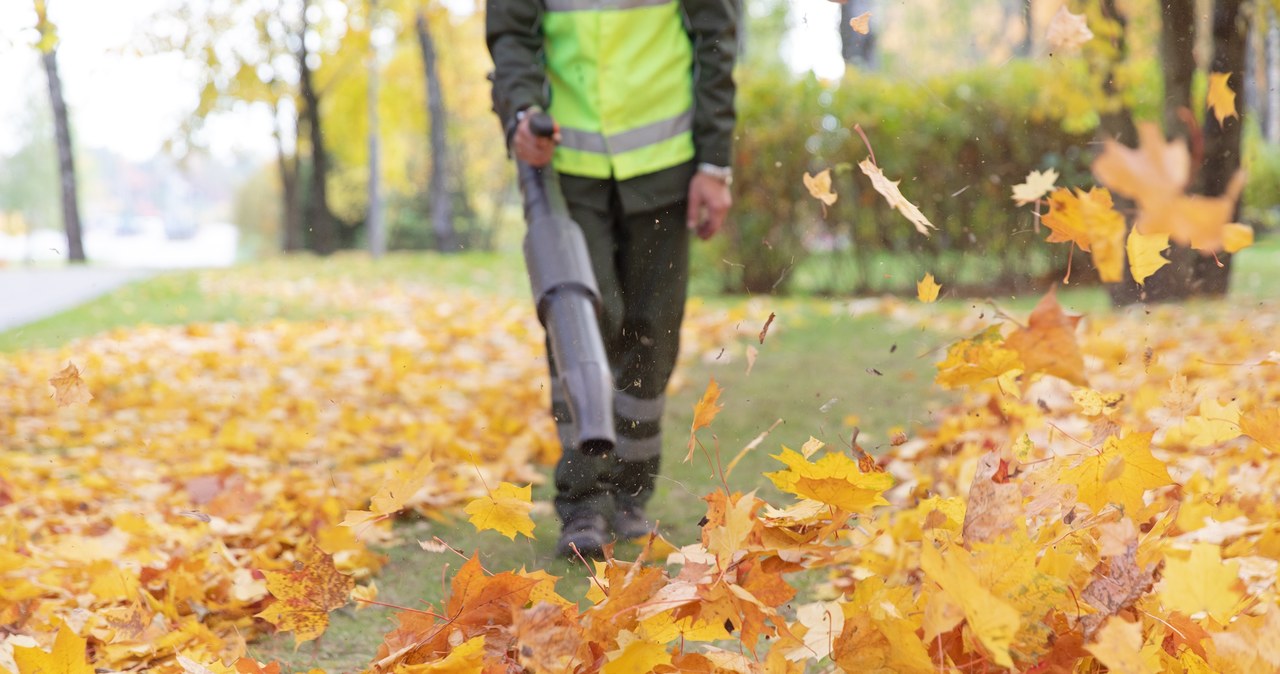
(1037, 184)
(1121, 473)
(1089, 220)
(1221, 98)
(505, 510)
(1119, 647)
(1067, 32)
(465, 658)
(726, 540)
(835, 480)
(1263, 425)
(635, 654)
(1145, 256)
(704, 412)
(1216, 423)
(970, 361)
(1202, 582)
(394, 494)
(1094, 403)
(993, 622)
(861, 23)
(889, 190)
(66, 657)
(69, 388)
(819, 187)
(305, 594)
(927, 289)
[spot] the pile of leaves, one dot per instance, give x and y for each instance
(1044, 526)
(150, 490)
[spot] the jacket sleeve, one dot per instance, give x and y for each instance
(513, 31)
(713, 27)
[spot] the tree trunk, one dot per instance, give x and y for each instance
(320, 219)
(290, 221)
(1027, 45)
(1117, 124)
(857, 49)
(1177, 44)
(66, 160)
(1271, 124)
(437, 189)
(373, 219)
(1222, 142)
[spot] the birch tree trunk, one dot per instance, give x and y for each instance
(438, 188)
(373, 217)
(66, 159)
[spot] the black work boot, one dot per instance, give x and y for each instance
(629, 521)
(587, 533)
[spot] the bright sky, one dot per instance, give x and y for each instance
(137, 103)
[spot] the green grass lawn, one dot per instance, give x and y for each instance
(817, 372)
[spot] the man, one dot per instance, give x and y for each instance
(642, 92)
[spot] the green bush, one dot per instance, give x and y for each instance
(958, 143)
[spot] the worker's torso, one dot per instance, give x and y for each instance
(621, 75)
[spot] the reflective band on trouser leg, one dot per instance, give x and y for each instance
(639, 424)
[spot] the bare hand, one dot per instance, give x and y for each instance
(531, 149)
(709, 202)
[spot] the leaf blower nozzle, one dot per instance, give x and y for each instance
(568, 302)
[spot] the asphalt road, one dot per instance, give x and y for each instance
(27, 295)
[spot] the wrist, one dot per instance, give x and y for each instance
(722, 173)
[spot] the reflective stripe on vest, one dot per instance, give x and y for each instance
(621, 75)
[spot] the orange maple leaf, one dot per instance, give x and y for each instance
(704, 412)
(1089, 220)
(307, 593)
(1048, 343)
(69, 388)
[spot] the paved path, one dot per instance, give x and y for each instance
(28, 295)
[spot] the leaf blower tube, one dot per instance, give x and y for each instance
(568, 301)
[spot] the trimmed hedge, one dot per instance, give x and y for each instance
(957, 143)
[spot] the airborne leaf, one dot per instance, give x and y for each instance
(69, 388)
(927, 289)
(506, 511)
(1037, 184)
(889, 190)
(1221, 99)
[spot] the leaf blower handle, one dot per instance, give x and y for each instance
(542, 125)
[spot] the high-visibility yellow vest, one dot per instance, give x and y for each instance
(621, 75)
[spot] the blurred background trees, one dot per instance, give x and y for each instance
(376, 123)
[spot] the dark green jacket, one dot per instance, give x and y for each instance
(513, 29)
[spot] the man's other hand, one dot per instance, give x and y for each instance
(534, 150)
(709, 202)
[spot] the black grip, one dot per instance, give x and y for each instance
(541, 124)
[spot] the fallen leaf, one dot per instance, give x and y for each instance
(505, 510)
(1037, 184)
(1119, 647)
(1202, 582)
(1121, 473)
(927, 289)
(306, 594)
(66, 657)
(69, 388)
(1263, 425)
(993, 621)
(1221, 99)
(889, 190)
(1068, 32)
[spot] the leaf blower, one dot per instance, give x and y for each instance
(568, 301)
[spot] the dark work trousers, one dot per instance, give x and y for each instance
(641, 263)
